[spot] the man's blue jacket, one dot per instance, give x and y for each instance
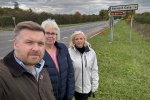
(63, 82)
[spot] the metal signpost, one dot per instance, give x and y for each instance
(111, 18)
(14, 20)
(113, 11)
(131, 26)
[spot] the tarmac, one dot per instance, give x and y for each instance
(88, 34)
(66, 41)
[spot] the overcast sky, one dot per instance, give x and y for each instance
(71, 6)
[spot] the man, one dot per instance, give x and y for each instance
(22, 72)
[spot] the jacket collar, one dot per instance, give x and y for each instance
(57, 45)
(13, 66)
(87, 49)
(47, 56)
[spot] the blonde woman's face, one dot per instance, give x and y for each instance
(79, 41)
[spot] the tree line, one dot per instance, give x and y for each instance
(20, 15)
(143, 18)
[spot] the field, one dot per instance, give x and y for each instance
(124, 71)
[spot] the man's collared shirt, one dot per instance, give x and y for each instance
(38, 70)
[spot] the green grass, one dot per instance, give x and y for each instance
(124, 67)
(7, 28)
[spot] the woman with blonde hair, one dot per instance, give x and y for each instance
(85, 66)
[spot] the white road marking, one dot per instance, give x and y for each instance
(94, 35)
(64, 37)
(67, 30)
(83, 26)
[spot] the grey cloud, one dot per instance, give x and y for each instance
(71, 6)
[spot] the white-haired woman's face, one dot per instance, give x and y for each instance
(50, 35)
(79, 41)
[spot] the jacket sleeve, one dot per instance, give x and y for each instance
(2, 94)
(95, 77)
(70, 79)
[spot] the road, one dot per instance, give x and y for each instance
(6, 37)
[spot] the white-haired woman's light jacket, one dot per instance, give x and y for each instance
(85, 70)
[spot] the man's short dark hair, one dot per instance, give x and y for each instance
(27, 25)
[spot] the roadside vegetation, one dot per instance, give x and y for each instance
(20, 15)
(11, 28)
(141, 22)
(143, 18)
(124, 72)
(143, 29)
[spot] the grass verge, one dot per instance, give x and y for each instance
(7, 28)
(143, 29)
(124, 72)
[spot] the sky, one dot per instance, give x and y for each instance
(71, 6)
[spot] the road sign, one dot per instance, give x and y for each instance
(123, 7)
(13, 18)
(118, 13)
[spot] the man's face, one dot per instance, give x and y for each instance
(30, 46)
(50, 35)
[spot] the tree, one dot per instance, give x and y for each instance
(78, 14)
(16, 6)
(1, 11)
(84, 20)
(102, 13)
(30, 10)
(128, 14)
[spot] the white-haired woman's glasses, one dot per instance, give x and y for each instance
(48, 33)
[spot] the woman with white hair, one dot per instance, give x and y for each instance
(59, 63)
(85, 66)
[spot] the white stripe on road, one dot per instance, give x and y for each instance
(67, 30)
(93, 35)
(64, 37)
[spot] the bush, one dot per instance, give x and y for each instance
(6, 21)
(142, 19)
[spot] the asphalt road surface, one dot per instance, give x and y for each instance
(6, 37)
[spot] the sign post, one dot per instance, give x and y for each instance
(131, 26)
(116, 11)
(14, 20)
(111, 28)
